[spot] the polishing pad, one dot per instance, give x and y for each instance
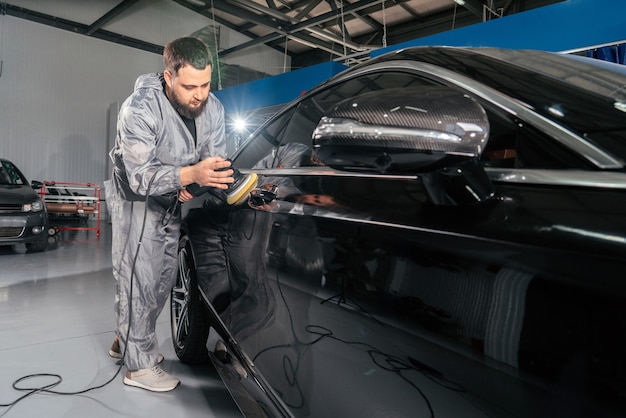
(238, 192)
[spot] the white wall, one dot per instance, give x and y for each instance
(55, 92)
(56, 87)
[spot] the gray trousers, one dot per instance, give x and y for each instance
(150, 266)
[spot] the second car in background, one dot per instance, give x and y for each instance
(23, 216)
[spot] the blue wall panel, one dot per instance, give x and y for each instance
(277, 89)
(566, 26)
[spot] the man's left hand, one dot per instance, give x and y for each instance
(184, 195)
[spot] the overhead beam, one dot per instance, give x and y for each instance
(292, 30)
(279, 30)
(110, 15)
(289, 27)
(307, 9)
(293, 22)
(333, 14)
(474, 6)
(78, 28)
(208, 14)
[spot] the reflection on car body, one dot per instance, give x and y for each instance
(408, 277)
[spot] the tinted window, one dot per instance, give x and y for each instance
(9, 174)
(297, 124)
(263, 141)
(512, 143)
(515, 144)
(577, 93)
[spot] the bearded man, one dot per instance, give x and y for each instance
(170, 134)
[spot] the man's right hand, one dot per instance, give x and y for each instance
(212, 172)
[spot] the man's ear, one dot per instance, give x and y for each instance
(167, 75)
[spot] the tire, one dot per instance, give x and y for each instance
(37, 246)
(189, 317)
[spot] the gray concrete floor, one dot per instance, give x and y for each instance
(56, 311)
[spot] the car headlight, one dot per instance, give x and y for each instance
(36, 206)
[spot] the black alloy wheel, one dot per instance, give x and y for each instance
(189, 319)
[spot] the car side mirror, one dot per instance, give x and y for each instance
(434, 132)
(36, 184)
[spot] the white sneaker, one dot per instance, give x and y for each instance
(153, 379)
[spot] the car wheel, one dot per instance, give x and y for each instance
(37, 246)
(189, 318)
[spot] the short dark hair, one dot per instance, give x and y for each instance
(184, 51)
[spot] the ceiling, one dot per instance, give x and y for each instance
(346, 30)
(309, 31)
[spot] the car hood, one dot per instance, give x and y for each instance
(16, 195)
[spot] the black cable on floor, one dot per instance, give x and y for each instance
(48, 388)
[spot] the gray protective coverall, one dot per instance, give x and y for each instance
(151, 146)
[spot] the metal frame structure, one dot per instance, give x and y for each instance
(82, 199)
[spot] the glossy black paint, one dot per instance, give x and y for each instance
(416, 296)
(359, 294)
(585, 108)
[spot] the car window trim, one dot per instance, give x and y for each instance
(565, 178)
(324, 171)
(564, 136)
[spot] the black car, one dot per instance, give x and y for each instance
(23, 215)
(438, 232)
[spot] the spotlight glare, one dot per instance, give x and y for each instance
(239, 125)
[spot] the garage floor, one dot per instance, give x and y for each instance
(56, 310)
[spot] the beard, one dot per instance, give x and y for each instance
(184, 109)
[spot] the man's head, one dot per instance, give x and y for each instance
(187, 74)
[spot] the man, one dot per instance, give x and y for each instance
(170, 134)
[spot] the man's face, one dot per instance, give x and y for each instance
(188, 90)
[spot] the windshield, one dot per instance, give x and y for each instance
(10, 175)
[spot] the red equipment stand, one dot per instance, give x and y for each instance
(82, 199)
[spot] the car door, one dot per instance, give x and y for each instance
(355, 295)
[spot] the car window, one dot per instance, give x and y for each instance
(579, 93)
(310, 111)
(297, 124)
(263, 141)
(4, 176)
(9, 174)
(515, 144)
(512, 142)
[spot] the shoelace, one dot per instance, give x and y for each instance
(158, 372)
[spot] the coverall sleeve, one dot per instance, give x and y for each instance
(139, 129)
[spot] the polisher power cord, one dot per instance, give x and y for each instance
(57, 378)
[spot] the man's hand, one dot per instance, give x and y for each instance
(184, 196)
(207, 173)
